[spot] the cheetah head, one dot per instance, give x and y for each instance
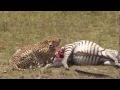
(53, 41)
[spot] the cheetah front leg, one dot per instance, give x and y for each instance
(15, 67)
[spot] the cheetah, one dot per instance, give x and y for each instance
(36, 55)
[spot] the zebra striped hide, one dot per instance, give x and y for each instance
(86, 52)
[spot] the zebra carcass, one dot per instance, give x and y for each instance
(86, 52)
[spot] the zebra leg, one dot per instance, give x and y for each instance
(64, 62)
(107, 63)
(117, 64)
(110, 54)
(54, 64)
(111, 63)
(67, 53)
(48, 65)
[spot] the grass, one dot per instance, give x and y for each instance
(20, 28)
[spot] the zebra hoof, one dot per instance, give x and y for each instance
(67, 68)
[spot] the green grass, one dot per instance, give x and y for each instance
(18, 29)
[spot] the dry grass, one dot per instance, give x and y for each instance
(18, 29)
(61, 73)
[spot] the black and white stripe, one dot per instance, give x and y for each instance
(86, 52)
(90, 53)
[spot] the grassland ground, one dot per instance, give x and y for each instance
(21, 28)
(61, 73)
